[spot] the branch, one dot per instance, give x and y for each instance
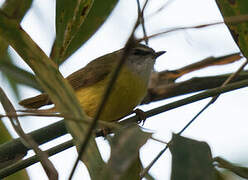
(195, 84)
(34, 159)
(40, 136)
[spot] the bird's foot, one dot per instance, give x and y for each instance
(141, 114)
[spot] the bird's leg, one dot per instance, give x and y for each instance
(141, 114)
(103, 132)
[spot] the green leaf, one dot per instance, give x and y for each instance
(70, 15)
(125, 147)
(16, 74)
(239, 31)
(9, 109)
(16, 11)
(191, 159)
(99, 12)
(6, 59)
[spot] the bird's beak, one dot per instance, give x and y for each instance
(157, 54)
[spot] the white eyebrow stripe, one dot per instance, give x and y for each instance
(144, 49)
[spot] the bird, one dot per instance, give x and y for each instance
(90, 83)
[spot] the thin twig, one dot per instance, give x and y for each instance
(164, 6)
(142, 20)
(228, 80)
(228, 20)
(145, 171)
(158, 140)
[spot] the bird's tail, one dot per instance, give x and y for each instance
(36, 102)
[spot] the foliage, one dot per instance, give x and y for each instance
(76, 23)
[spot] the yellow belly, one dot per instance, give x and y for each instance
(128, 92)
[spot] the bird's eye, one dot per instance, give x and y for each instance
(141, 52)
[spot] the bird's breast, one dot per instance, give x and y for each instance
(128, 92)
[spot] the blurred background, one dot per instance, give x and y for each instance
(223, 126)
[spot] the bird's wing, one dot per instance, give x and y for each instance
(94, 72)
